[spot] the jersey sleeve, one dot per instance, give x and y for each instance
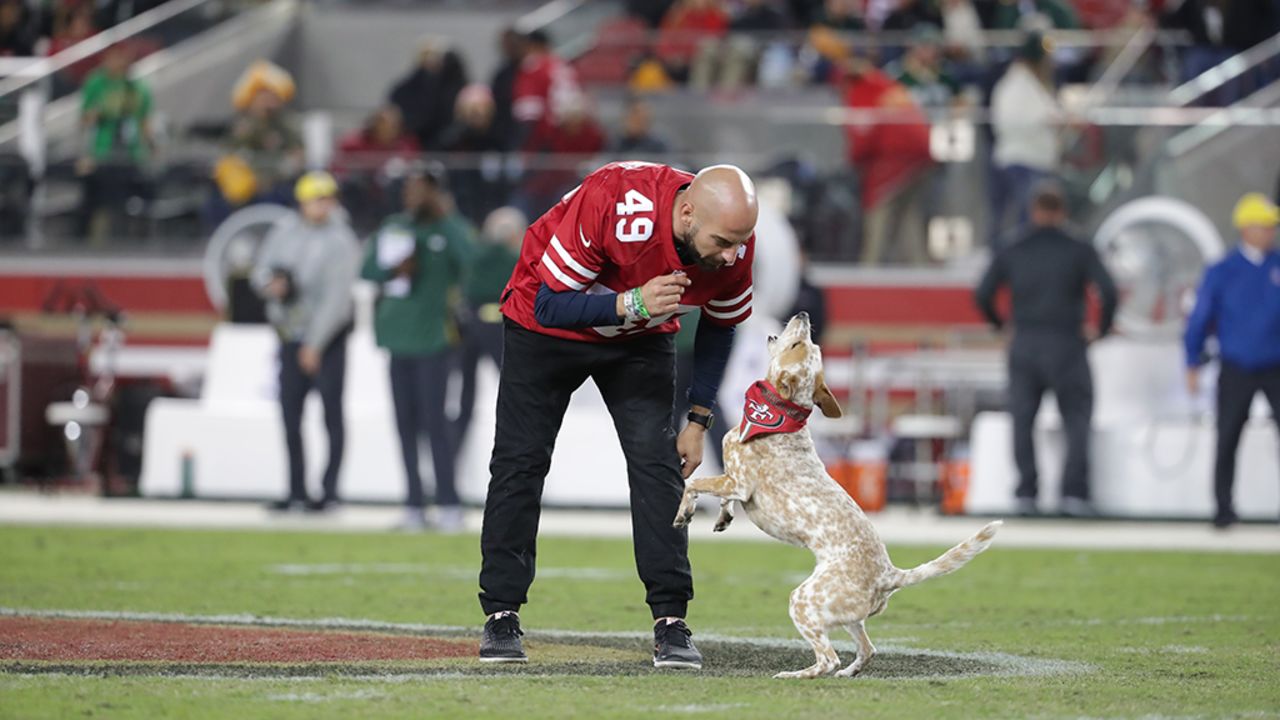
(732, 305)
(575, 254)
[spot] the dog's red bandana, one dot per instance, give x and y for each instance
(767, 412)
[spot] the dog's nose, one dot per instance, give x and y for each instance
(802, 315)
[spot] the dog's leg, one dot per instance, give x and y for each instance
(807, 615)
(722, 486)
(725, 517)
(866, 650)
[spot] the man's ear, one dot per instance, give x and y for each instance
(823, 398)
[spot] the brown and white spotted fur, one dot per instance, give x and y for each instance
(786, 491)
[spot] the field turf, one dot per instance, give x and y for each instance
(1017, 633)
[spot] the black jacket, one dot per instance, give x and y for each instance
(1047, 272)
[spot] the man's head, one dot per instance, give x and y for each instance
(1048, 205)
(386, 125)
(505, 226)
(638, 119)
(475, 106)
(424, 190)
(715, 215)
(117, 59)
(317, 195)
(1256, 218)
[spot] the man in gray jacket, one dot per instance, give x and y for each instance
(305, 271)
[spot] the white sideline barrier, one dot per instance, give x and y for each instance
(1152, 455)
(235, 440)
(1134, 469)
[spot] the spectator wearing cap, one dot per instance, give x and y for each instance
(419, 258)
(305, 271)
(1239, 303)
(264, 145)
(1048, 272)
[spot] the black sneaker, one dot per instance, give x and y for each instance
(286, 506)
(1225, 519)
(321, 506)
(673, 646)
(501, 641)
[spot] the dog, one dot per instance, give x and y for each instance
(773, 470)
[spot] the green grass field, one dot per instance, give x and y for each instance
(1018, 633)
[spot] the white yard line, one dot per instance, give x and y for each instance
(898, 526)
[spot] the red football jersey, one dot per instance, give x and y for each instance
(541, 86)
(613, 233)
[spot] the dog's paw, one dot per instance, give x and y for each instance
(722, 523)
(683, 516)
(851, 671)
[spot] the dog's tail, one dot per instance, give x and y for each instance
(951, 560)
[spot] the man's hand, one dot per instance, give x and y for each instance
(309, 359)
(407, 267)
(662, 294)
(1193, 381)
(689, 446)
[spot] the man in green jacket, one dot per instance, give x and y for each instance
(495, 257)
(419, 258)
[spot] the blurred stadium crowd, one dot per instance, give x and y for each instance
(525, 135)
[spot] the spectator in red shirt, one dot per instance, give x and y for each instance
(380, 140)
(690, 26)
(893, 163)
(544, 81)
(574, 136)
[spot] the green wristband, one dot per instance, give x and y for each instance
(640, 306)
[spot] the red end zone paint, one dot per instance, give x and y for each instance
(23, 638)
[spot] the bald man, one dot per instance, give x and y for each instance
(602, 281)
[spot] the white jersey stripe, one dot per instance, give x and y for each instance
(573, 265)
(726, 315)
(560, 274)
(731, 303)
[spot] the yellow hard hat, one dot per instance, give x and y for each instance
(1255, 210)
(315, 185)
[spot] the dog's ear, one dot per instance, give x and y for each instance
(823, 398)
(788, 383)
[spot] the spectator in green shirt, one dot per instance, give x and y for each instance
(495, 257)
(115, 113)
(419, 258)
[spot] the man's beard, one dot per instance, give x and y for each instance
(690, 253)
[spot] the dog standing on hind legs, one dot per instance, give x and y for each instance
(773, 470)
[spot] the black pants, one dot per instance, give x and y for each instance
(294, 386)
(1236, 388)
(418, 385)
(1040, 361)
(479, 340)
(637, 381)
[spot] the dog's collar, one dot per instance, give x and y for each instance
(767, 412)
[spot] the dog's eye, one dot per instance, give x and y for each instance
(795, 345)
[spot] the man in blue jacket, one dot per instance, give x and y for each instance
(1239, 302)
